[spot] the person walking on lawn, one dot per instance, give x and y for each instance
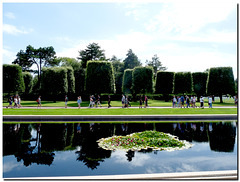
(99, 101)
(39, 102)
(66, 100)
(182, 101)
(79, 101)
(109, 101)
(9, 102)
(123, 101)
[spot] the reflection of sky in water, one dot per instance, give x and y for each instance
(198, 158)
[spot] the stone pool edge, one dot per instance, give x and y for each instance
(108, 118)
(203, 175)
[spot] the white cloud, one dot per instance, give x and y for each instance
(11, 165)
(8, 56)
(188, 18)
(9, 15)
(13, 30)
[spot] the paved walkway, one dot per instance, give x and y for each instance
(44, 107)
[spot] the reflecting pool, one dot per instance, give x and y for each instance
(70, 149)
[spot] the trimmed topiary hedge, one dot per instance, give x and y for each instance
(55, 81)
(127, 81)
(12, 79)
(183, 83)
(164, 82)
(220, 81)
(142, 81)
(99, 77)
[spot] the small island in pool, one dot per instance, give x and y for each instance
(144, 140)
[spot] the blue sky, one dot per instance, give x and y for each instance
(185, 36)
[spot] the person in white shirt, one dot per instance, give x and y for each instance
(210, 101)
(174, 101)
(201, 102)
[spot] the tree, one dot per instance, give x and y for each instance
(118, 68)
(92, 52)
(41, 57)
(164, 83)
(220, 81)
(142, 80)
(12, 79)
(156, 64)
(183, 83)
(199, 83)
(28, 82)
(127, 81)
(131, 61)
(99, 77)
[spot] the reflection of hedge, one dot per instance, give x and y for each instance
(28, 81)
(142, 81)
(99, 77)
(127, 81)
(164, 82)
(183, 82)
(54, 80)
(12, 79)
(220, 81)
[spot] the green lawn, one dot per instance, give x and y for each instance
(119, 111)
(153, 103)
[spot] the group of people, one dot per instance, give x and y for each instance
(93, 101)
(180, 101)
(14, 99)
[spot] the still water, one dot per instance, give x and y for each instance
(70, 149)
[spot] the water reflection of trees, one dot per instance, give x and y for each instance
(18, 139)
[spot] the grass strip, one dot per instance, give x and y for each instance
(119, 111)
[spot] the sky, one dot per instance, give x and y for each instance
(185, 36)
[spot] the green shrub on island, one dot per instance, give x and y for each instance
(144, 140)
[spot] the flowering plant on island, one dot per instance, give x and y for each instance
(144, 140)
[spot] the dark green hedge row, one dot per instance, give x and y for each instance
(99, 77)
(54, 81)
(127, 81)
(12, 79)
(221, 81)
(164, 82)
(28, 82)
(142, 80)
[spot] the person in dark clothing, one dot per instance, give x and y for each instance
(109, 101)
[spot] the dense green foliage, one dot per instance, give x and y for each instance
(156, 64)
(79, 72)
(28, 81)
(221, 81)
(131, 61)
(164, 82)
(127, 81)
(118, 68)
(12, 79)
(93, 52)
(199, 83)
(41, 57)
(71, 80)
(183, 83)
(55, 81)
(99, 77)
(142, 81)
